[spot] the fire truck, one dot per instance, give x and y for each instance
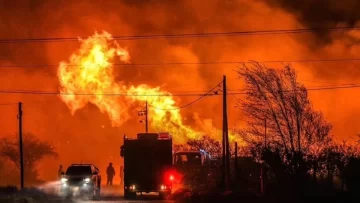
(147, 164)
(195, 167)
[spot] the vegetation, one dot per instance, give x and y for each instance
(295, 150)
(296, 145)
(11, 194)
(206, 143)
(34, 151)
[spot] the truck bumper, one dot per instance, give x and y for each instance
(136, 189)
(77, 189)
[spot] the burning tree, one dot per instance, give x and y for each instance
(34, 151)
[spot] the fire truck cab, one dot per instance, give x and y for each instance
(194, 167)
(147, 164)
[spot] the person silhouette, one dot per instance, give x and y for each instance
(110, 172)
(60, 171)
(121, 174)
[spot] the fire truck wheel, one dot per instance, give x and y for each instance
(129, 195)
(164, 195)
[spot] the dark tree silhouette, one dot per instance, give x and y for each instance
(206, 143)
(211, 146)
(34, 151)
(294, 128)
(333, 159)
(275, 95)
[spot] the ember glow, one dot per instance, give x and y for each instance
(88, 77)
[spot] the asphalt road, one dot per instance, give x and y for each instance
(108, 194)
(111, 194)
(121, 199)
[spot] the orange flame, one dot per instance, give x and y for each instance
(88, 76)
(90, 70)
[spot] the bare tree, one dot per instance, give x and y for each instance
(206, 143)
(213, 147)
(333, 159)
(34, 151)
(275, 95)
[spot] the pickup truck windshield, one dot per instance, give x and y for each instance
(78, 170)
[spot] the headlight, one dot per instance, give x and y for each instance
(87, 180)
(63, 180)
(132, 187)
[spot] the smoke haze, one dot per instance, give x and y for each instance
(88, 135)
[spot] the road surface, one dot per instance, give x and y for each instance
(122, 200)
(114, 194)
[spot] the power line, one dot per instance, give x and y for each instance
(8, 104)
(197, 63)
(333, 88)
(35, 92)
(187, 35)
(311, 89)
(327, 82)
(236, 99)
(192, 102)
(312, 60)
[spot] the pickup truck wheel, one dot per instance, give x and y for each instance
(65, 193)
(97, 192)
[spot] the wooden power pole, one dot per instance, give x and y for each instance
(265, 138)
(144, 112)
(146, 118)
(21, 148)
(226, 147)
(236, 164)
(262, 166)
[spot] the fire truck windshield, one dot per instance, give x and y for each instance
(188, 159)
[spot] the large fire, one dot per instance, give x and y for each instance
(88, 77)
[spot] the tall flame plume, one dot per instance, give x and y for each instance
(88, 77)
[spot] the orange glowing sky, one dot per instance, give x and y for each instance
(88, 134)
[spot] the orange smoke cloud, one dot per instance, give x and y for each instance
(163, 17)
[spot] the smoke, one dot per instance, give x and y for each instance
(322, 13)
(88, 136)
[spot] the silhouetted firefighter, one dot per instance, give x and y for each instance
(121, 175)
(110, 172)
(60, 172)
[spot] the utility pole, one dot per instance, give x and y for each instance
(144, 112)
(262, 167)
(265, 134)
(223, 168)
(236, 163)
(261, 180)
(146, 117)
(21, 148)
(226, 137)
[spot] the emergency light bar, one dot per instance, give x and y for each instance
(147, 136)
(164, 135)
